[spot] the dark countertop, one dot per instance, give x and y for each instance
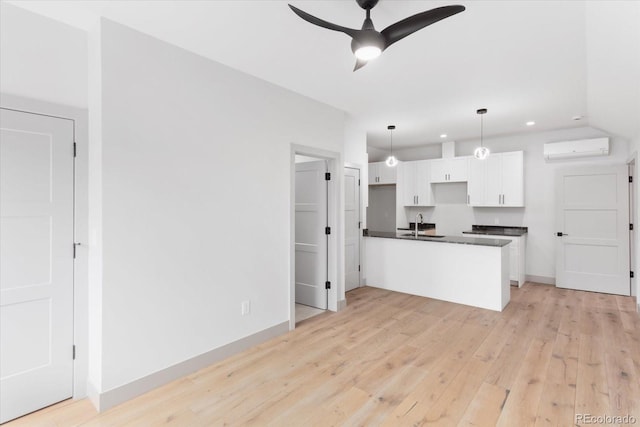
(478, 241)
(497, 230)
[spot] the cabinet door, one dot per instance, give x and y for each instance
(514, 271)
(477, 182)
(422, 174)
(513, 179)
(438, 170)
(457, 168)
(493, 180)
(406, 183)
(387, 174)
(373, 173)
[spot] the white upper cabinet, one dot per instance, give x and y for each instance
(497, 180)
(476, 188)
(414, 186)
(453, 169)
(513, 179)
(380, 173)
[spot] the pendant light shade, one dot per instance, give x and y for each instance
(481, 152)
(391, 160)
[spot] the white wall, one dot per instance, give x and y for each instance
(192, 151)
(355, 154)
(613, 66)
(41, 58)
(452, 216)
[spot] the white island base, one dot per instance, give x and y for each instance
(469, 274)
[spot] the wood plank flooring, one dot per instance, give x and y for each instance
(393, 359)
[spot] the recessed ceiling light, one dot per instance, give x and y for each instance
(576, 118)
(444, 135)
(531, 123)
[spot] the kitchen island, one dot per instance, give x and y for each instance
(464, 270)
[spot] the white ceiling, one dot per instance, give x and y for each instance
(523, 60)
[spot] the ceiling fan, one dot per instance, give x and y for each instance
(368, 43)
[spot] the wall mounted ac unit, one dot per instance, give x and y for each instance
(575, 149)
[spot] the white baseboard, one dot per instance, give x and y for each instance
(342, 304)
(93, 395)
(540, 279)
(118, 395)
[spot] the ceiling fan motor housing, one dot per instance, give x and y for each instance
(367, 4)
(368, 38)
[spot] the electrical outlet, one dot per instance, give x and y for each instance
(246, 307)
(497, 221)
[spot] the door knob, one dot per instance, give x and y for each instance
(560, 234)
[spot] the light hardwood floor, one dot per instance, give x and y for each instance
(304, 312)
(393, 359)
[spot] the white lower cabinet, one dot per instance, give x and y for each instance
(414, 186)
(517, 255)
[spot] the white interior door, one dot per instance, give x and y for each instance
(593, 227)
(310, 239)
(36, 262)
(352, 228)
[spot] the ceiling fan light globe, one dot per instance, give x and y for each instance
(367, 53)
(392, 161)
(481, 153)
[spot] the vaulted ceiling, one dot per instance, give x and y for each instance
(542, 61)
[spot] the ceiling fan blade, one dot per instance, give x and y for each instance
(359, 64)
(322, 23)
(410, 25)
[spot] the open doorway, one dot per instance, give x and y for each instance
(315, 233)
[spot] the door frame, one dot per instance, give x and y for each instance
(360, 218)
(335, 203)
(79, 117)
(634, 245)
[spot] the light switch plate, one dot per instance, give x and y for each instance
(246, 307)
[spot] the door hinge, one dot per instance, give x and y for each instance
(358, 183)
(358, 268)
(631, 227)
(631, 274)
(327, 285)
(74, 352)
(630, 179)
(76, 244)
(359, 224)
(327, 230)
(75, 149)
(327, 176)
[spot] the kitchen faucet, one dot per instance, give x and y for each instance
(416, 223)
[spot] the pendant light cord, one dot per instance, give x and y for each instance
(391, 130)
(481, 130)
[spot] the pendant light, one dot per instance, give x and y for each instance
(391, 160)
(481, 152)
